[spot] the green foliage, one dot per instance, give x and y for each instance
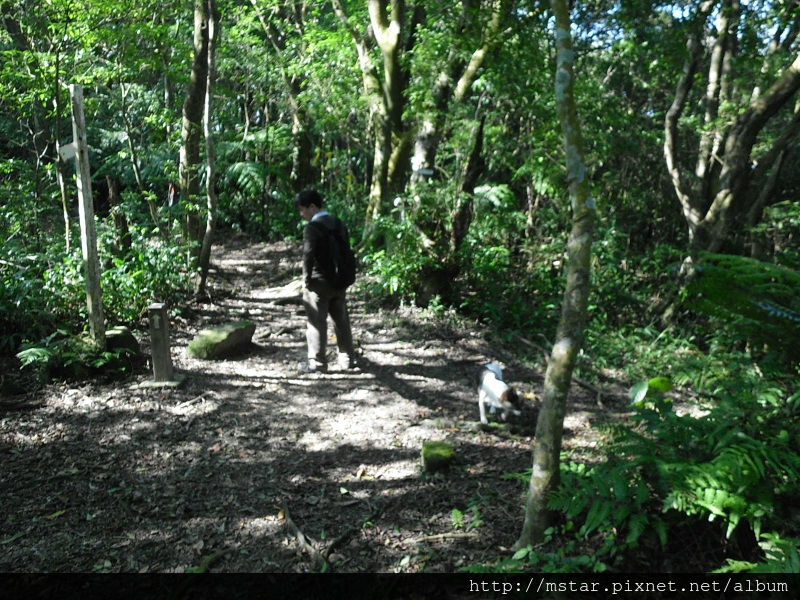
(63, 356)
(152, 271)
(752, 301)
(509, 281)
(734, 461)
(255, 193)
(23, 302)
(44, 292)
(779, 228)
(398, 268)
(561, 552)
(781, 555)
(472, 519)
(652, 394)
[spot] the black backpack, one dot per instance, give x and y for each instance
(335, 259)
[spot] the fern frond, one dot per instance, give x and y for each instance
(248, 177)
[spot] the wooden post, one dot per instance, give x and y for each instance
(94, 297)
(159, 342)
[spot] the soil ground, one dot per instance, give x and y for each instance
(252, 466)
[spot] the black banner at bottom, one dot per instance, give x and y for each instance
(381, 586)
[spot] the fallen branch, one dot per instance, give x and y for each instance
(303, 539)
(322, 559)
(442, 536)
(200, 398)
(346, 535)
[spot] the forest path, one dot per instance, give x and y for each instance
(253, 466)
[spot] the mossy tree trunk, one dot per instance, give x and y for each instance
(385, 89)
(570, 331)
(192, 127)
(214, 25)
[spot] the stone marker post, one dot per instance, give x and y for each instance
(159, 342)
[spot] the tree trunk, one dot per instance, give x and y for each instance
(192, 127)
(465, 204)
(737, 166)
(122, 244)
(204, 260)
(134, 155)
(728, 179)
(302, 170)
(569, 334)
(386, 99)
(450, 90)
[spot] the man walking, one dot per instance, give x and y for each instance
(320, 297)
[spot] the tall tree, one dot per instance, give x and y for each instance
(192, 125)
(482, 24)
(574, 310)
(204, 260)
(386, 94)
(736, 155)
(285, 22)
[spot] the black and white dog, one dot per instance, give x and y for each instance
(496, 393)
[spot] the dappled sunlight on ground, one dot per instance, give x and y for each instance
(248, 451)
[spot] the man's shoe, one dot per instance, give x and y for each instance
(347, 363)
(313, 367)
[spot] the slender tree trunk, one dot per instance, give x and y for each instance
(122, 244)
(204, 261)
(302, 170)
(134, 155)
(569, 334)
(192, 127)
(683, 188)
(465, 205)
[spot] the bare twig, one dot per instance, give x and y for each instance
(321, 559)
(199, 398)
(346, 535)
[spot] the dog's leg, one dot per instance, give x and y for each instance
(482, 407)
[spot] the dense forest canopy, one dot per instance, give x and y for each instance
(432, 128)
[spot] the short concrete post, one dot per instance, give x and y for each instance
(159, 342)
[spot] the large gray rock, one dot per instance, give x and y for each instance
(120, 337)
(221, 341)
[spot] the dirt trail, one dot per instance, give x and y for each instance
(251, 466)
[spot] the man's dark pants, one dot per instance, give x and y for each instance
(321, 300)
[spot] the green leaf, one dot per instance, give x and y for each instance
(522, 553)
(639, 392)
(457, 518)
(660, 384)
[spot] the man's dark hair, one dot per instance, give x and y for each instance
(308, 197)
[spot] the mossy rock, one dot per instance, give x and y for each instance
(121, 338)
(222, 341)
(437, 456)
